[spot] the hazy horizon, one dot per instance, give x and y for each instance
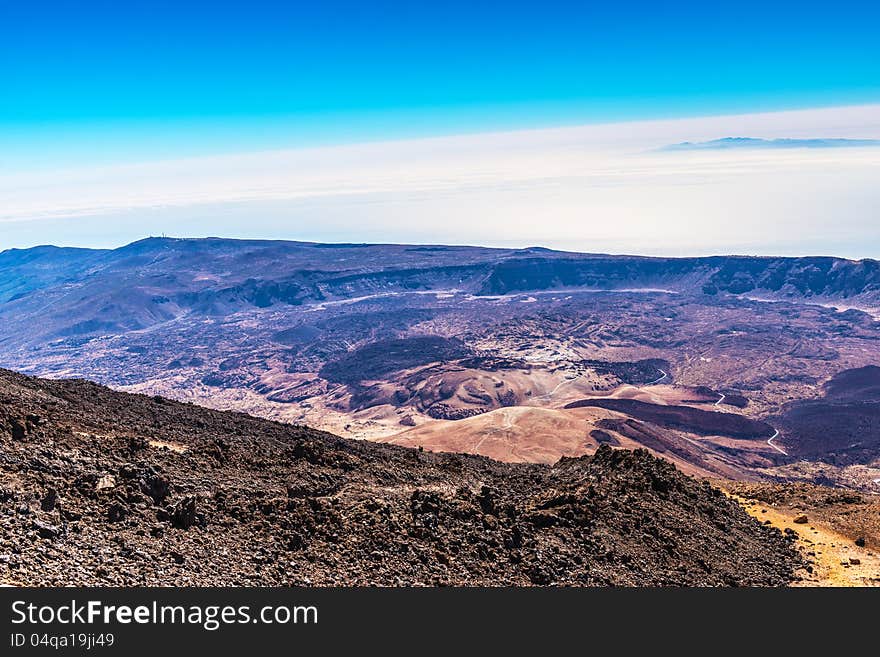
(601, 187)
(453, 124)
(524, 247)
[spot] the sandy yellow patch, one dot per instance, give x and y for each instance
(835, 559)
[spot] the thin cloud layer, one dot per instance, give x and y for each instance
(600, 187)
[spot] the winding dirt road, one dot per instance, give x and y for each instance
(653, 383)
(776, 447)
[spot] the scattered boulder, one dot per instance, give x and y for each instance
(19, 429)
(45, 530)
(183, 514)
(137, 444)
(487, 498)
(49, 500)
(116, 512)
(148, 480)
(107, 482)
(157, 487)
(801, 519)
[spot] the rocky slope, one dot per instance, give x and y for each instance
(101, 487)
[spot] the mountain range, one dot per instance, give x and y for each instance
(523, 416)
(157, 279)
(731, 143)
(715, 363)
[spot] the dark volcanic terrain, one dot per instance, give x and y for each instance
(101, 487)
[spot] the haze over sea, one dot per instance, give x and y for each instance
(453, 124)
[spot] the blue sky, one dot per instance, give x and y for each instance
(165, 78)
(502, 123)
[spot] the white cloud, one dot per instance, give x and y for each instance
(591, 188)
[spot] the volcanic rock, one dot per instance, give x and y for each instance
(350, 512)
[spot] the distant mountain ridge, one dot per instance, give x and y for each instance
(158, 279)
(365, 340)
(794, 278)
(731, 143)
